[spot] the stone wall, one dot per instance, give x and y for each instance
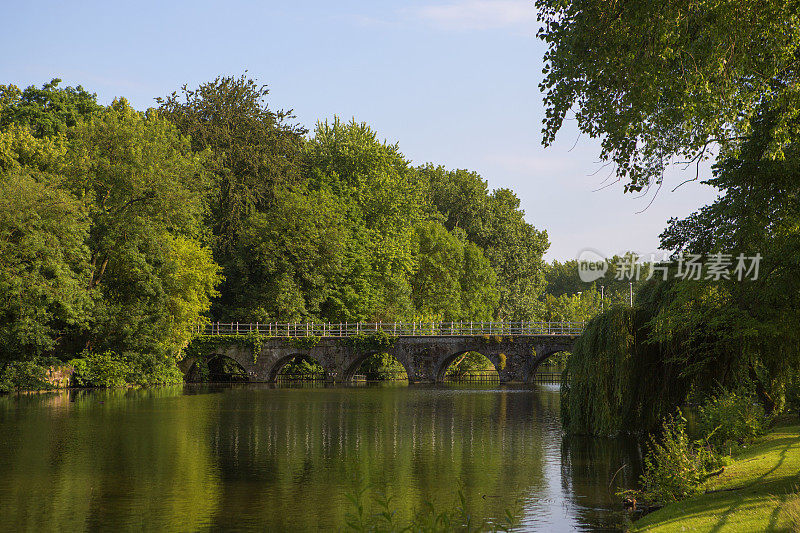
(60, 376)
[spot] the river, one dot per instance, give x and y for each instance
(259, 457)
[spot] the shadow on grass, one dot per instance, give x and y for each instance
(764, 487)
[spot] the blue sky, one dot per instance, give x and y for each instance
(454, 82)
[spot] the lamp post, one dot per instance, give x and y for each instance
(631, 284)
(602, 298)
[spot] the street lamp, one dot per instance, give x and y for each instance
(631, 284)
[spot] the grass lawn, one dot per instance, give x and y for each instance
(748, 493)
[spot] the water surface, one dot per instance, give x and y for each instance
(259, 457)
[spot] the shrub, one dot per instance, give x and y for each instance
(674, 466)
(151, 370)
(109, 369)
(99, 370)
(24, 375)
(731, 418)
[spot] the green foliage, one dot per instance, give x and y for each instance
(146, 192)
(44, 265)
(618, 382)
(637, 365)
(757, 213)
(288, 259)
(383, 200)
(453, 279)
(371, 342)
(563, 281)
(99, 370)
(793, 395)
(571, 308)
(303, 367)
(496, 225)
(109, 369)
(254, 151)
(668, 92)
(303, 343)
(24, 375)
(674, 466)
(501, 364)
(117, 227)
(731, 418)
(206, 345)
(48, 111)
(99, 231)
(468, 363)
(382, 366)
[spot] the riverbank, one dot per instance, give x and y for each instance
(748, 496)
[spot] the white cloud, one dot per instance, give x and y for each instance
(479, 14)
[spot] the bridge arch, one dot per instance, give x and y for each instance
(352, 368)
(277, 366)
(448, 361)
(215, 367)
(545, 354)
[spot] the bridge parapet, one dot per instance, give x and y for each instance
(395, 329)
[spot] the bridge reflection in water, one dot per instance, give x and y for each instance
(257, 457)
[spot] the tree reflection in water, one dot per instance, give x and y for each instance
(264, 457)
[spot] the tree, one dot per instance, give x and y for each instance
(571, 307)
(460, 196)
(48, 111)
(254, 150)
(563, 279)
(666, 80)
(515, 249)
(290, 257)
(757, 213)
(143, 188)
(453, 278)
(479, 294)
(497, 226)
(383, 200)
(44, 266)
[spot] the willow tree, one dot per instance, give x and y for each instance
(698, 336)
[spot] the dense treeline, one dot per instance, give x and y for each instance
(121, 229)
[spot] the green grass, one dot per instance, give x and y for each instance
(750, 495)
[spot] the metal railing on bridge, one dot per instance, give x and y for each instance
(397, 329)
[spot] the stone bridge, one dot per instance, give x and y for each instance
(515, 353)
